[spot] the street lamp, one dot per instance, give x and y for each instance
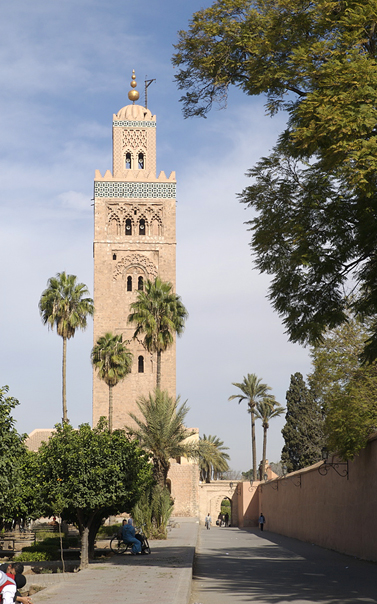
(340, 467)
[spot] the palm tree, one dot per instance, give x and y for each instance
(252, 390)
(161, 431)
(64, 303)
(212, 457)
(113, 361)
(265, 410)
(158, 314)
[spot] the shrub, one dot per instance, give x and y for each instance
(109, 530)
(35, 557)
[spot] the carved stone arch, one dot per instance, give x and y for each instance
(137, 262)
(113, 225)
(156, 226)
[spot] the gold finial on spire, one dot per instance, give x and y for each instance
(133, 95)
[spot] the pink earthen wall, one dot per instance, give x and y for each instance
(330, 510)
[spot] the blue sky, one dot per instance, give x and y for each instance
(65, 68)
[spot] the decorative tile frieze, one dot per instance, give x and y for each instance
(135, 190)
(134, 124)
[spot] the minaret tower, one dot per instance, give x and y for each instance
(134, 240)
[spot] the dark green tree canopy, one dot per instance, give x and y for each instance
(12, 451)
(315, 231)
(91, 474)
(346, 390)
(303, 430)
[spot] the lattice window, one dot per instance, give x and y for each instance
(135, 139)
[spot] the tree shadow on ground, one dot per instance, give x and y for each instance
(270, 568)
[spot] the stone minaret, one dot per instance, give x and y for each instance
(134, 240)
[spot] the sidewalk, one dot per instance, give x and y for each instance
(164, 577)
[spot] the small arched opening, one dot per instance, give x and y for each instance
(142, 227)
(127, 161)
(140, 364)
(128, 227)
(140, 161)
(129, 283)
(225, 515)
(140, 284)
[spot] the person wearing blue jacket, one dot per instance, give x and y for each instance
(128, 535)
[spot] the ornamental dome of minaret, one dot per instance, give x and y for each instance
(134, 112)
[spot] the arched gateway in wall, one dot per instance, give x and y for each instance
(210, 498)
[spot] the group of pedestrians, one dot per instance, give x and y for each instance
(223, 520)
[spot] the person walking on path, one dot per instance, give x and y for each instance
(262, 520)
(207, 521)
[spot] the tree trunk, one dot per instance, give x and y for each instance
(158, 380)
(253, 444)
(110, 408)
(84, 555)
(64, 375)
(263, 468)
(93, 530)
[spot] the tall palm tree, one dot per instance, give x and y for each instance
(113, 361)
(252, 390)
(160, 430)
(265, 410)
(64, 303)
(158, 314)
(212, 457)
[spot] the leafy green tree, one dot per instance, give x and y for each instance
(113, 361)
(316, 231)
(252, 390)
(266, 410)
(352, 413)
(161, 431)
(64, 303)
(158, 314)
(91, 474)
(303, 430)
(345, 388)
(12, 449)
(316, 61)
(212, 457)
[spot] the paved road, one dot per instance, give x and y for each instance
(236, 566)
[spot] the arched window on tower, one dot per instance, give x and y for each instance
(140, 364)
(140, 161)
(129, 283)
(128, 161)
(114, 256)
(142, 227)
(140, 283)
(128, 227)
